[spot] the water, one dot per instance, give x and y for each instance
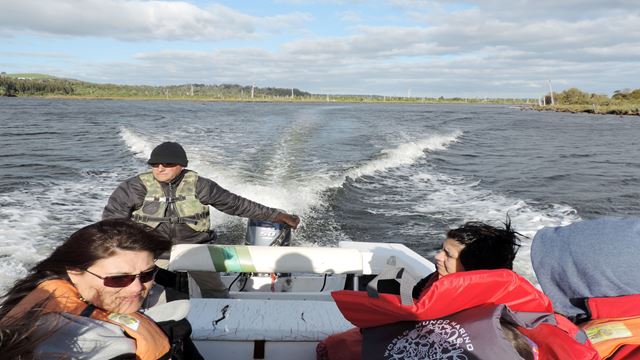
(362, 172)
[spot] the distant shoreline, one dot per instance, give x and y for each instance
(49, 87)
(42, 85)
(301, 99)
(624, 109)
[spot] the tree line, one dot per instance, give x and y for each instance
(43, 85)
(622, 102)
(10, 86)
(575, 96)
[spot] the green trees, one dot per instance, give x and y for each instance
(10, 86)
(44, 85)
(185, 91)
(7, 87)
(41, 86)
(627, 94)
(574, 96)
(622, 102)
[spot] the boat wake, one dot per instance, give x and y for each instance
(412, 187)
(403, 155)
(278, 188)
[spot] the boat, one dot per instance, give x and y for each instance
(280, 304)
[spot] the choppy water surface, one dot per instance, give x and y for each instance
(362, 172)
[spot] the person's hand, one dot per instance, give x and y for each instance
(291, 220)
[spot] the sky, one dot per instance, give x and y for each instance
(418, 48)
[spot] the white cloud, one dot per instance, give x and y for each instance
(350, 17)
(285, 23)
(450, 48)
(468, 75)
(135, 20)
(36, 54)
(525, 10)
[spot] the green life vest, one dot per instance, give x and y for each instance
(187, 206)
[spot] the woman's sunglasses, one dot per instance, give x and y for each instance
(120, 281)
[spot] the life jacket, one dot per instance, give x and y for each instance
(556, 337)
(62, 296)
(474, 333)
(447, 295)
(188, 208)
(613, 325)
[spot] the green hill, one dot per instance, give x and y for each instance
(32, 84)
(51, 86)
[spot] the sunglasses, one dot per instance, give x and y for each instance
(164, 165)
(120, 281)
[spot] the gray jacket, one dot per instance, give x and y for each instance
(590, 258)
(130, 194)
(66, 336)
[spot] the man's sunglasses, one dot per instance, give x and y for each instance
(164, 165)
(120, 281)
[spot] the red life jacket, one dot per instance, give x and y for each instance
(614, 326)
(475, 333)
(450, 294)
(559, 339)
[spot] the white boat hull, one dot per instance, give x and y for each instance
(283, 317)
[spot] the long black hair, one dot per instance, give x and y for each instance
(19, 336)
(486, 247)
(82, 249)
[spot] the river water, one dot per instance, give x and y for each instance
(361, 172)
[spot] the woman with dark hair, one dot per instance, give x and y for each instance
(473, 306)
(479, 246)
(100, 275)
(473, 246)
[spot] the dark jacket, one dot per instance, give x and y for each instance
(130, 194)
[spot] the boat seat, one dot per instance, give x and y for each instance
(267, 320)
(265, 259)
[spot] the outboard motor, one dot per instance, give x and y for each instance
(267, 233)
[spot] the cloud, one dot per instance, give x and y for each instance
(595, 39)
(469, 75)
(36, 54)
(471, 55)
(526, 10)
(285, 23)
(350, 17)
(449, 48)
(137, 20)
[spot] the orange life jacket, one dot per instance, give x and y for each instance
(614, 324)
(62, 296)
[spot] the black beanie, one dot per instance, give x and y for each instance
(168, 153)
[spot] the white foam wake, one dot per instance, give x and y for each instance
(404, 154)
(458, 198)
(140, 145)
(36, 221)
(281, 194)
(278, 188)
(21, 225)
